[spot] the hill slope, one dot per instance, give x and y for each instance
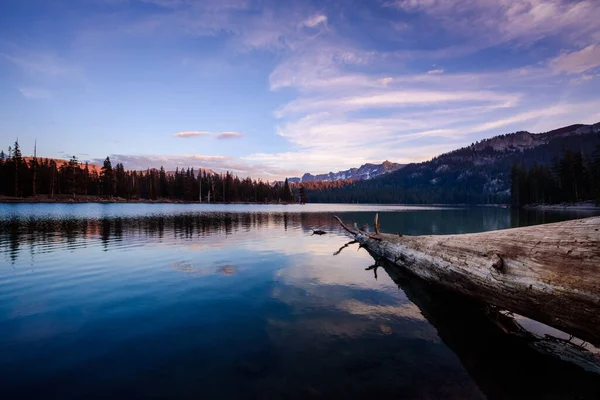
(479, 173)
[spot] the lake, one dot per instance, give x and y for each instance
(242, 301)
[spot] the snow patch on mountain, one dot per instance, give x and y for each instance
(364, 172)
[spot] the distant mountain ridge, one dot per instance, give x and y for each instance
(524, 140)
(478, 173)
(197, 171)
(364, 172)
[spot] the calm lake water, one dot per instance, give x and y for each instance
(241, 301)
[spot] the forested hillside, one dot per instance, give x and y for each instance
(570, 179)
(39, 177)
(476, 174)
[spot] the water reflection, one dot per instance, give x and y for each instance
(504, 365)
(197, 302)
(21, 233)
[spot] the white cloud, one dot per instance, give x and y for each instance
(393, 99)
(320, 63)
(577, 61)
(526, 116)
(36, 93)
(39, 63)
(315, 20)
(247, 24)
(189, 134)
(355, 86)
(500, 21)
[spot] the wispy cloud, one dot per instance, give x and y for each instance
(229, 135)
(344, 85)
(189, 134)
(394, 99)
(40, 63)
(315, 20)
(508, 20)
(247, 24)
(35, 93)
(576, 62)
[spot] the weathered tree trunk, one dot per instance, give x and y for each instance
(550, 273)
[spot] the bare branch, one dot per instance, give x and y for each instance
(344, 246)
(350, 231)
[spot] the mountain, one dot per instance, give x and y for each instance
(364, 172)
(479, 173)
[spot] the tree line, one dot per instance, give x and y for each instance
(32, 177)
(569, 179)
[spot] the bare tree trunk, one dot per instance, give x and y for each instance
(550, 273)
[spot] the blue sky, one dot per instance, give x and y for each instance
(278, 88)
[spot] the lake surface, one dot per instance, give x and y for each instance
(241, 301)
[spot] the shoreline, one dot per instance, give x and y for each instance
(65, 199)
(582, 206)
(114, 200)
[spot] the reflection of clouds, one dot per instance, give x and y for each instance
(406, 310)
(227, 270)
(183, 266)
(336, 297)
(323, 327)
(187, 267)
(311, 271)
(386, 329)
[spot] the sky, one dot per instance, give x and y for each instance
(275, 88)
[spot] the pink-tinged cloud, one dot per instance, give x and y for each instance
(577, 61)
(191, 134)
(229, 135)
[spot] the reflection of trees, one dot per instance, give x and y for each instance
(494, 349)
(43, 235)
(71, 232)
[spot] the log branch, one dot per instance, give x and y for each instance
(344, 246)
(350, 231)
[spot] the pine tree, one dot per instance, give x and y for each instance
(164, 187)
(72, 176)
(86, 179)
(515, 185)
(287, 192)
(107, 178)
(595, 174)
(17, 160)
(302, 195)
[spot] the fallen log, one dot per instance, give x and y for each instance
(549, 273)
